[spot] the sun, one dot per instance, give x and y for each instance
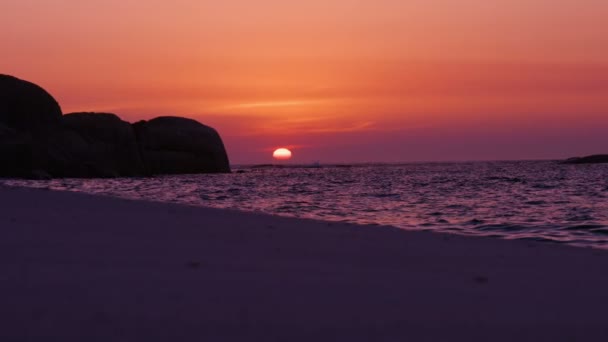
(281, 154)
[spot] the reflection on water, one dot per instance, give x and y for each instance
(518, 200)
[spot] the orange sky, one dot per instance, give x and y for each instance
(337, 80)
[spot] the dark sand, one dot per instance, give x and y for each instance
(75, 267)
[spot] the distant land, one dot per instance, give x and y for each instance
(593, 159)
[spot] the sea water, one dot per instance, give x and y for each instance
(539, 200)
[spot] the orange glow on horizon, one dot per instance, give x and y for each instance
(325, 73)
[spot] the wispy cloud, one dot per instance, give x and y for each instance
(367, 125)
(274, 104)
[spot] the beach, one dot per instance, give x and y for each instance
(77, 267)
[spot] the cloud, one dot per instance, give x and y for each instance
(361, 126)
(273, 104)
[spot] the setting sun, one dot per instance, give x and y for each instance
(325, 170)
(282, 154)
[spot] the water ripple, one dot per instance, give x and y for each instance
(543, 201)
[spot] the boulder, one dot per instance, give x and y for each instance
(56, 152)
(594, 159)
(19, 153)
(108, 147)
(15, 152)
(26, 106)
(173, 145)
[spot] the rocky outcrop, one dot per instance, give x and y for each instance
(26, 106)
(108, 147)
(37, 141)
(15, 152)
(173, 145)
(594, 159)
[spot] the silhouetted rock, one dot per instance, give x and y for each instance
(15, 152)
(52, 151)
(172, 145)
(36, 141)
(25, 106)
(108, 147)
(594, 159)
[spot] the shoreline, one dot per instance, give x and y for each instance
(77, 267)
(528, 201)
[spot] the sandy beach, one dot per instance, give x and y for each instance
(76, 267)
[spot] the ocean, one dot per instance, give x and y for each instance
(537, 200)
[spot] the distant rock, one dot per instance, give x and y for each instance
(37, 141)
(26, 106)
(594, 159)
(173, 145)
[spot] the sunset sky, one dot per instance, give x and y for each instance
(335, 80)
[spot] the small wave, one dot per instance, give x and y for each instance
(538, 239)
(585, 227)
(580, 218)
(536, 202)
(383, 195)
(544, 186)
(506, 179)
(458, 207)
(474, 222)
(502, 227)
(342, 181)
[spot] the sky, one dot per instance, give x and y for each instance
(336, 81)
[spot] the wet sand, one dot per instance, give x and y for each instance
(75, 267)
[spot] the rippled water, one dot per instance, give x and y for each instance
(519, 200)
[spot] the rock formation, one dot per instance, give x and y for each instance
(26, 106)
(172, 145)
(108, 147)
(594, 159)
(36, 140)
